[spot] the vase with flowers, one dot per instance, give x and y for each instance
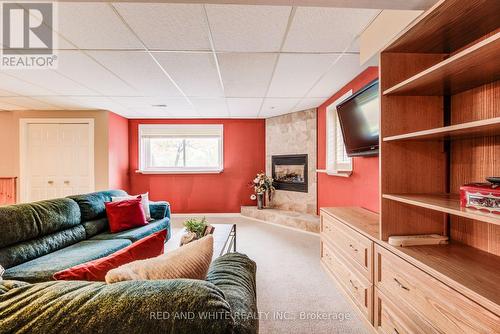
(262, 186)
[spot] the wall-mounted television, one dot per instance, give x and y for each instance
(359, 121)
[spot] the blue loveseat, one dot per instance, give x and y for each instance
(41, 238)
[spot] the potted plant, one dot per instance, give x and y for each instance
(196, 229)
(262, 185)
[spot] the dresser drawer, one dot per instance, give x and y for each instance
(444, 308)
(389, 318)
(354, 245)
(356, 286)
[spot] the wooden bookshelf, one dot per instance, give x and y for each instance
(486, 127)
(448, 26)
(440, 129)
(476, 65)
(447, 203)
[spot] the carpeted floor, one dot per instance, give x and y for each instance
(294, 293)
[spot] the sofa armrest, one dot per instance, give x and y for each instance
(169, 306)
(234, 274)
(159, 210)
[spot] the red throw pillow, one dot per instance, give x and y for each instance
(124, 215)
(149, 247)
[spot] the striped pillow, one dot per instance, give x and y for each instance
(189, 261)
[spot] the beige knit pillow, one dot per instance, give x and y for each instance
(189, 261)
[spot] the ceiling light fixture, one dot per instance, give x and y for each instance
(159, 105)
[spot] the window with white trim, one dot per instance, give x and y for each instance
(337, 161)
(181, 148)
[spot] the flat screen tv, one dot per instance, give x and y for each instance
(359, 121)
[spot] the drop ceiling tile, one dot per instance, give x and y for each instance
(275, 106)
(309, 103)
(246, 74)
(51, 79)
(211, 107)
(195, 73)
(346, 69)
(83, 69)
(139, 70)
(297, 73)
(248, 28)
(94, 26)
(20, 87)
(28, 103)
(143, 107)
(316, 29)
(244, 107)
(168, 26)
(95, 102)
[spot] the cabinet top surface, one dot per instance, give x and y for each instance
(364, 221)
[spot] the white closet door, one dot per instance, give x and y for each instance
(58, 160)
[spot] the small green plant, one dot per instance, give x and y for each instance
(196, 226)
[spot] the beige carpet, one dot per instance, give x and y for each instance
(290, 281)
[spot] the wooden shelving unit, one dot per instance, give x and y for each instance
(446, 203)
(486, 127)
(476, 65)
(440, 129)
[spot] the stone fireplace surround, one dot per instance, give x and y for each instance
(291, 134)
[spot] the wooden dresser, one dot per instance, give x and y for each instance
(439, 130)
(413, 289)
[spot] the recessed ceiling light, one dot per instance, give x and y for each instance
(159, 105)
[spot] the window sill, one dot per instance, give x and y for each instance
(335, 173)
(200, 171)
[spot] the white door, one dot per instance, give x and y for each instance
(58, 160)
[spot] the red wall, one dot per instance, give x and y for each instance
(362, 187)
(118, 159)
(244, 156)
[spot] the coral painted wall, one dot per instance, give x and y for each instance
(362, 187)
(244, 156)
(118, 159)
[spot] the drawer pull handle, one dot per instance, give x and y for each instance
(354, 286)
(354, 249)
(395, 331)
(401, 285)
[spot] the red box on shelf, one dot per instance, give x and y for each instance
(481, 196)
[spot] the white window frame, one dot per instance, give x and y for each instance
(180, 130)
(333, 134)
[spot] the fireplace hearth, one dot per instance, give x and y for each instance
(290, 172)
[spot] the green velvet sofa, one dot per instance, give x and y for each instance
(224, 303)
(38, 239)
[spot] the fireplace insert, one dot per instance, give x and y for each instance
(290, 172)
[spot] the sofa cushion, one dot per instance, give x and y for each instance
(159, 210)
(92, 205)
(28, 250)
(189, 261)
(137, 233)
(42, 268)
(96, 226)
(24, 222)
(96, 270)
(128, 307)
(126, 214)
